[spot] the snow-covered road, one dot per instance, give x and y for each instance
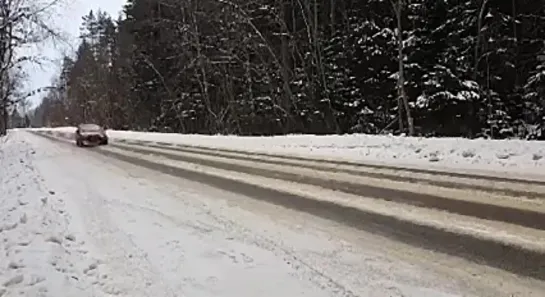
(75, 223)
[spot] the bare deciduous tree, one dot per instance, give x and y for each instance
(23, 23)
(403, 101)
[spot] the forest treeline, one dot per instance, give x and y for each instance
(429, 67)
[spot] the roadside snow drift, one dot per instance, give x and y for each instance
(509, 156)
(40, 255)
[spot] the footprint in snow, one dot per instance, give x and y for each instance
(23, 243)
(14, 280)
(247, 259)
(91, 269)
(14, 266)
(211, 280)
(8, 227)
(35, 279)
(54, 239)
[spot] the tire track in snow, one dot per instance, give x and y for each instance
(487, 183)
(511, 213)
(239, 233)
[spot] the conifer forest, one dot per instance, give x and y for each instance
(457, 68)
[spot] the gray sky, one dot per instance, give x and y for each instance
(68, 21)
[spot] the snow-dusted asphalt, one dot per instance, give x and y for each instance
(74, 223)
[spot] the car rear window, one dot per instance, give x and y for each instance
(90, 128)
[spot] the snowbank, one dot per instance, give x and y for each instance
(509, 156)
(40, 254)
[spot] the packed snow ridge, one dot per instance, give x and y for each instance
(509, 156)
(41, 256)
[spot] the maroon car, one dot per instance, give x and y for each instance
(91, 134)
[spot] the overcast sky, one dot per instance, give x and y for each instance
(68, 19)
